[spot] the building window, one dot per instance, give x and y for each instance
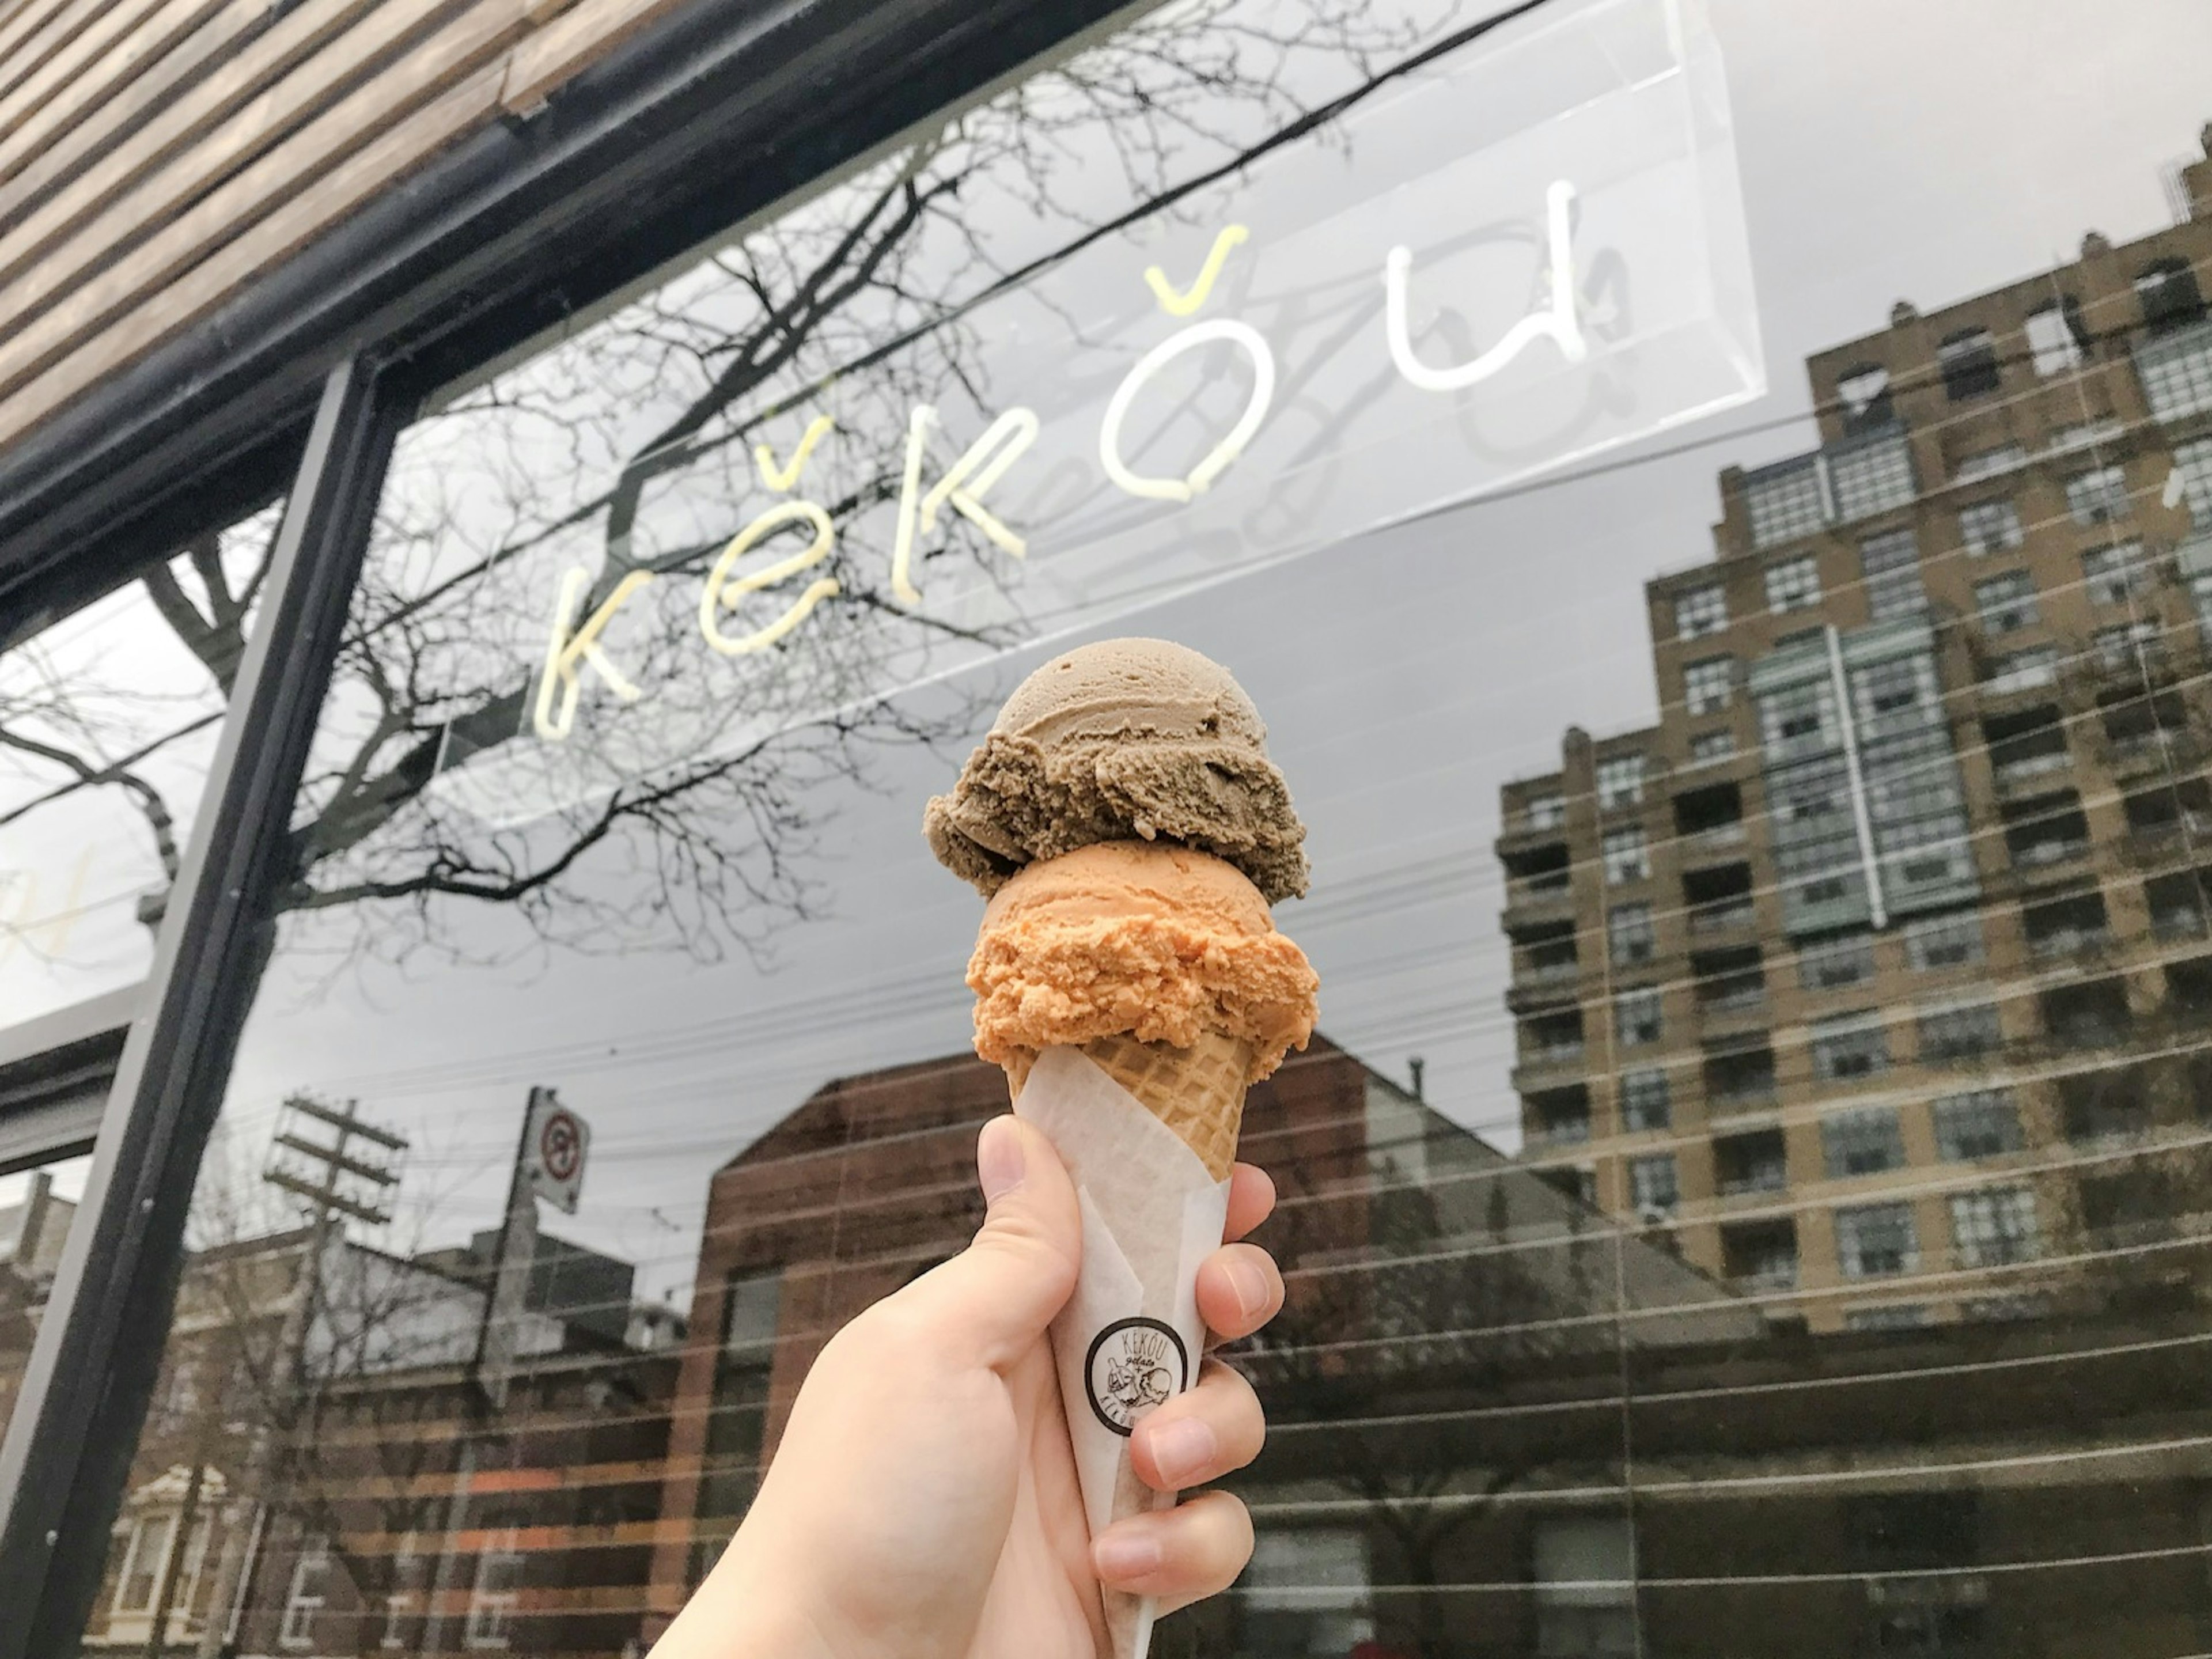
(1826, 964)
(1708, 684)
(1652, 1185)
(309, 1591)
(2024, 671)
(1627, 858)
(2113, 574)
(1871, 477)
(1989, 463)
(1635, 1018)
(145, 1558)
(1709, 746)
(2176, 376)
(2168, 295)
(1966, 1032)
(2097, 496)
(1785, 504)
(1981, 1123)
(1968, 359)
(1630, 933)
(1849, 1046)
(1620, 780)
(1799, 716)
(1989, 527)
(497, 1589)
(2054, 337)
(2121, 646)
(1891, 564)
(404, 1601)
(1585, 1573)
(1864, 1142)
(1864, 394)
(2007, 603)
(2193, 461)
(1544, 811)
(1793, 584)
(1994, 1226)
(1889, 1316)
(1643, 1100)
(1895, 687)
(1876, 1240)
(1699, 612)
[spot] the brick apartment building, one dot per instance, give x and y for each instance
(1876, 973)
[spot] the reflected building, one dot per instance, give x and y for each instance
(1874, 977)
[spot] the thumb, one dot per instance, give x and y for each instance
(998, 1294)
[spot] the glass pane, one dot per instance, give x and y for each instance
(108, 720)
(1747, 1203)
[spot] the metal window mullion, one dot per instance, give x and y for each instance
(69, 1443)
(1854, 773)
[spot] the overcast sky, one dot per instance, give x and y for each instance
(1889, 148)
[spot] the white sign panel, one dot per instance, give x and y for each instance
(554, 1153)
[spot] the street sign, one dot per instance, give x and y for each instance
(554, 1151)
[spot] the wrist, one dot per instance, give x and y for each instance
(745, 1610)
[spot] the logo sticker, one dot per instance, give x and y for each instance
(1133, 1365)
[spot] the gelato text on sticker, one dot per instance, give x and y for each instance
(1133, 1365)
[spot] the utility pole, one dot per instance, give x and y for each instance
(341, 1168)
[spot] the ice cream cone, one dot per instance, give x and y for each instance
(1198, 1091)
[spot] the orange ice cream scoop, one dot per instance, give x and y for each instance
(1137, 940)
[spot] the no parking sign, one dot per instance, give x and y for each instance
(554, 1151)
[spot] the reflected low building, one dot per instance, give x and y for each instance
(1876, 971)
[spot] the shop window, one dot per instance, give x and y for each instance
(1891, 563)
(1793, 585)
(1875, 1241)
(1990, 528)
(1699, 612)
(2007, 603)
(1619, 780)
(1863, 1142)
(1848, 1046)
(1643, 1100)
(1631, 936)
(2097, 496)
(1968, 359)
(1626, 855)
(1983, 1122)
(2113, 574)
(404, 1601)
(1994, 1226)
(2169, 297)
(2055, 338)
(1708, 684)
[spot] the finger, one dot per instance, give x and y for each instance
(1239, 1290)
(1201, 1434)
(1179, 1555)
(1251, 1200)
(997, 1295)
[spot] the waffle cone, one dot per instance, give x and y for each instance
(1198, 1091)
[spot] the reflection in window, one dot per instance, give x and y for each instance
(1585, 1571)
(1980, 1123)
(1990, 528)
(497, 1590)
(1700, 612)
(1877, 1240)
(1994, 1226)
(1306, 1591)
(308, 1594)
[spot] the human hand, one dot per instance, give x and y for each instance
(923, 1501)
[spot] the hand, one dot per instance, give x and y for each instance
(923, 1501)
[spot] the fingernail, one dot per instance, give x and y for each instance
(1124, 1556)
(1182, 1450)
(1250, 1284)
(999, 1158)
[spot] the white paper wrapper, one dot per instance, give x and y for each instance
(1130, 1336)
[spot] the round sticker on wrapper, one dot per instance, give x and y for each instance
(1133, 1365)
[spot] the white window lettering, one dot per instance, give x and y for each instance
(1558, 322)
(781, 478)
(1187, 304)
(1222, 455)
(565, 650)
(722, 590)
(963, 487)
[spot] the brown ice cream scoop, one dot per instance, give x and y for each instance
(1123, 740)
